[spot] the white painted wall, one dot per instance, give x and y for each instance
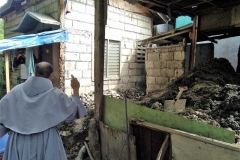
(228, 48)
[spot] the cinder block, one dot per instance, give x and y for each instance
(90, 10)
(86, 74)
(85, 82)
(124, 73)
(149, 64)
(161, 80)
(68, 24)
(162, 49)
(71, 56)
(167, 72)
(75, 73)
(90, 2)
(175, 64)
(82, 1)
(151, 80)
(153, 57)
(135, 65)
(85, 57)
(135, 72)
(172, 48)
(113, 16)
(160, 64)
(124, 66)
(179, 48)
(153, 72)
(166, 56)
(126, 52)
(179, 72)
(55, 7)
(69, 65)
(79, 25)
(82, 66)
(179, 55)
(78, 7)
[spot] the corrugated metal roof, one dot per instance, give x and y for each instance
(31, 20)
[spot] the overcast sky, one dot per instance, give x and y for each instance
(2, 2)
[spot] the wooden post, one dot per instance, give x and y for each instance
(99, 40)
(193, 43)
(7, 71)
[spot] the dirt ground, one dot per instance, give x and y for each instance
(212, 97)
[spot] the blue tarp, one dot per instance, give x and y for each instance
(31, 40)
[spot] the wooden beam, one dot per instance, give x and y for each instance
(7, 71)
(193, 43)
(171, 131)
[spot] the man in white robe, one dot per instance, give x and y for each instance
(30, 112)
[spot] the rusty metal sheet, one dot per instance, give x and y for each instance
(112, 142)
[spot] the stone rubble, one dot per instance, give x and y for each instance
(213, 97)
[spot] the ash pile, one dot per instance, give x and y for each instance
(213, 95)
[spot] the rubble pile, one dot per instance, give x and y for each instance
(213, 95)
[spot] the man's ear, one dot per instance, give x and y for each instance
(51, 76)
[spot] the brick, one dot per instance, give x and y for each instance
(151, 80)
(161, 80)
(149, 64)
(167, 72)
(179, 55)
(136, 65)
(166, 56)
(75, 73)
(171, 48)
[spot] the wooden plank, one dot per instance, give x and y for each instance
(113, 141)
(114, 116)
(7, 73)
(186, 134)
(193, 43)
(198, 150)
(163, 148)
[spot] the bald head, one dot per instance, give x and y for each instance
(43, 69)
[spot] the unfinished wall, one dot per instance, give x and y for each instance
(122, 26)
(163, 64)
(11, 20)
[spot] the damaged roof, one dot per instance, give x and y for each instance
(187, 7)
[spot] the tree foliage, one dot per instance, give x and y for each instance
(1, 29)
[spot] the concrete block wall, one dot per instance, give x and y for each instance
(122, 26)
(163, 65)
(11, 20)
